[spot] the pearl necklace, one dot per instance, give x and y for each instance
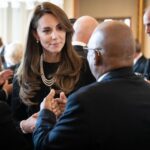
(47, 82)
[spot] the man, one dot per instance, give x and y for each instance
(146, 20)
(142, 64)
(83, 28)
(112, 113)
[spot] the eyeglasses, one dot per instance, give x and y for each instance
(86, 49)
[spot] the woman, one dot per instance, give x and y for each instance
(49, 62)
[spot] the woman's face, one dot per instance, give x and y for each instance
(51, 34)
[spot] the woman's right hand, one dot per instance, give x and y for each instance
(28, 125)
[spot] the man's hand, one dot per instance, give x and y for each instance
(5, 75)
(7, 87)
(56, 105)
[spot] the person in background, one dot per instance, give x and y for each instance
(5, 86)
(112, 113)
(146, 21)
(13, 55)
(141, 63)
(83, 28)
(2, 59)
(1, 44)
(138, 52)
(49, 61)
(10, 138)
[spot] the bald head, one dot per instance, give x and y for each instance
(84, 27)
(116, 39)
(146, 20)
(117, 43)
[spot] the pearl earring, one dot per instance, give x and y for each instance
(37, 41)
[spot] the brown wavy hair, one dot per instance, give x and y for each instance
(68, 72)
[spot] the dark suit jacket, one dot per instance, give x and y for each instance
(79, 49)
(142, 66)
(10, 139)
(106, 115)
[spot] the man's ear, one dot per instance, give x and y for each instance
(98, 58)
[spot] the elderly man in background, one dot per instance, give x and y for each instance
(83, 28)
(142, 65)
(146, 20)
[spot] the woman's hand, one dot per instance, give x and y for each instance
(28, 125)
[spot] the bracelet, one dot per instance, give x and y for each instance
(21, 127)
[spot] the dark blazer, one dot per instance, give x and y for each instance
(79, 49)
(10, 139)
(111, 114)
(142, 66)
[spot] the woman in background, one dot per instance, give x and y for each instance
(49, 62)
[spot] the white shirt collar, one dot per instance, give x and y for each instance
(102, 77)
(78, 43)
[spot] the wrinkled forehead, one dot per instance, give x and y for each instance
(96, 39)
